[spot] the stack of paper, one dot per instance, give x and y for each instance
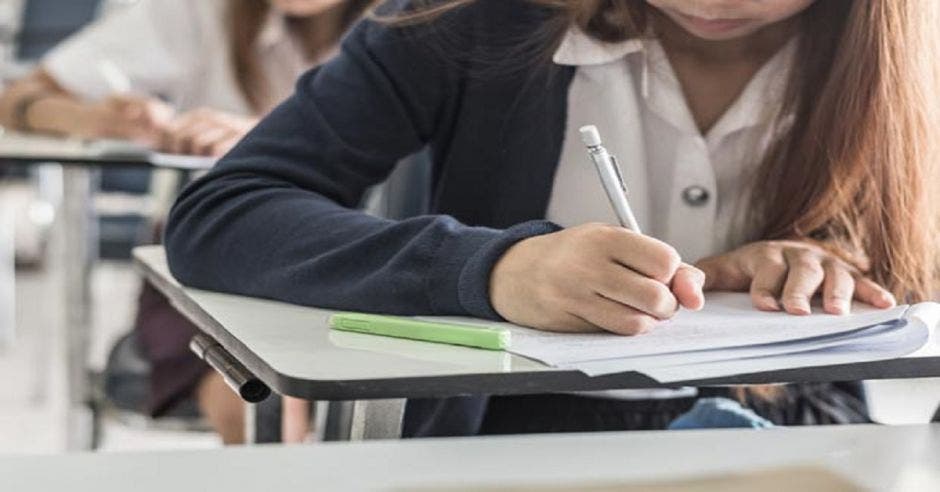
(729, 336)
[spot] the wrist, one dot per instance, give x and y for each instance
(24, 108)
(59, 114)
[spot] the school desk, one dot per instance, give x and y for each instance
(292, 350)
(867, 457)
(73, 247)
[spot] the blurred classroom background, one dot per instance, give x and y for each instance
(34, 407)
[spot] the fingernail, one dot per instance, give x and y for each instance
(841, 307)
(799, 307)
(770, 304)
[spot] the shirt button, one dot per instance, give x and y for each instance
(695, 196)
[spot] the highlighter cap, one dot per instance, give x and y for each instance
(590, 136)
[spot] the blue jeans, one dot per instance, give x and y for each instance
(710, 413)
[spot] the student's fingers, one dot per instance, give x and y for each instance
(174, 131)
(643, 254)
(637, 291)
(838, 287)
(804, 276)
(156, 114)
(142, 111)
(222, 147)
(687, 285)
(723, 272)
(767, 282)
(869, 292)
(614, 317)
(182, 134)
(206, 142)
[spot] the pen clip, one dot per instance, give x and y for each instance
(616, 164)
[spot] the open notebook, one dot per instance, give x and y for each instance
(730, 337)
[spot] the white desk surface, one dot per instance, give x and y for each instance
(298, 341)
(36, 148)
(292, 349)
(875, 457)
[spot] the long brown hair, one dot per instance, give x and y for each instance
(245, 20)
(855, 164)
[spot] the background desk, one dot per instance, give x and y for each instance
(292, 349)
(72, 250)
(29, 149)
(877, 458)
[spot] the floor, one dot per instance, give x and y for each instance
(32, 416)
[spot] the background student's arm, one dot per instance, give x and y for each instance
(205, 131)
(38, 103)
(275, 219)
(155, 48)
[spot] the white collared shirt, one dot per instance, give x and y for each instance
(685, 188)
(176, 49)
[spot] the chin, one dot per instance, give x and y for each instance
(304, 8)
(726, 36)
(720, 33)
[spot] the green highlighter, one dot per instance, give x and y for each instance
(485, 337)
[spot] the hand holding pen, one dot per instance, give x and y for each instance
(124, 114)
(594, 276)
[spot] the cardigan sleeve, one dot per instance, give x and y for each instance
(276, 217)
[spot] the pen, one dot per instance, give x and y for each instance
(609, 172)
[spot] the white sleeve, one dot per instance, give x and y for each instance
(153, 45)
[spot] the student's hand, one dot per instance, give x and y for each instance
(141, 119)
(206, 132)
(793, 272)
(591, 277)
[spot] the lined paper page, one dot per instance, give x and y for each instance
(728, 320)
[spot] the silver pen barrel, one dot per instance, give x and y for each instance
(614, 186)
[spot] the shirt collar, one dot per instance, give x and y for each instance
(661, 89)
(578, 48)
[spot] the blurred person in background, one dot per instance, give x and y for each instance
(188, 77)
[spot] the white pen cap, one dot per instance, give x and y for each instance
(590, 136)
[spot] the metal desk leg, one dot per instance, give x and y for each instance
(251, 423)
(242, 381)
(75, 252)
(376, 419)
(338, 420)
(268, 420)
(7, 280)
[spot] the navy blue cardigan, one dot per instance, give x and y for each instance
(276, 217)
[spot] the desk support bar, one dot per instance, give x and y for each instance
(237, 376)
(376, 419)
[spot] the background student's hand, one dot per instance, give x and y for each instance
(787, 274)
(205, 131)
(137, 118)
(591, 277)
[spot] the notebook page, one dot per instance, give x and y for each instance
(888, 345)
(728, 320)
(644, 362)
